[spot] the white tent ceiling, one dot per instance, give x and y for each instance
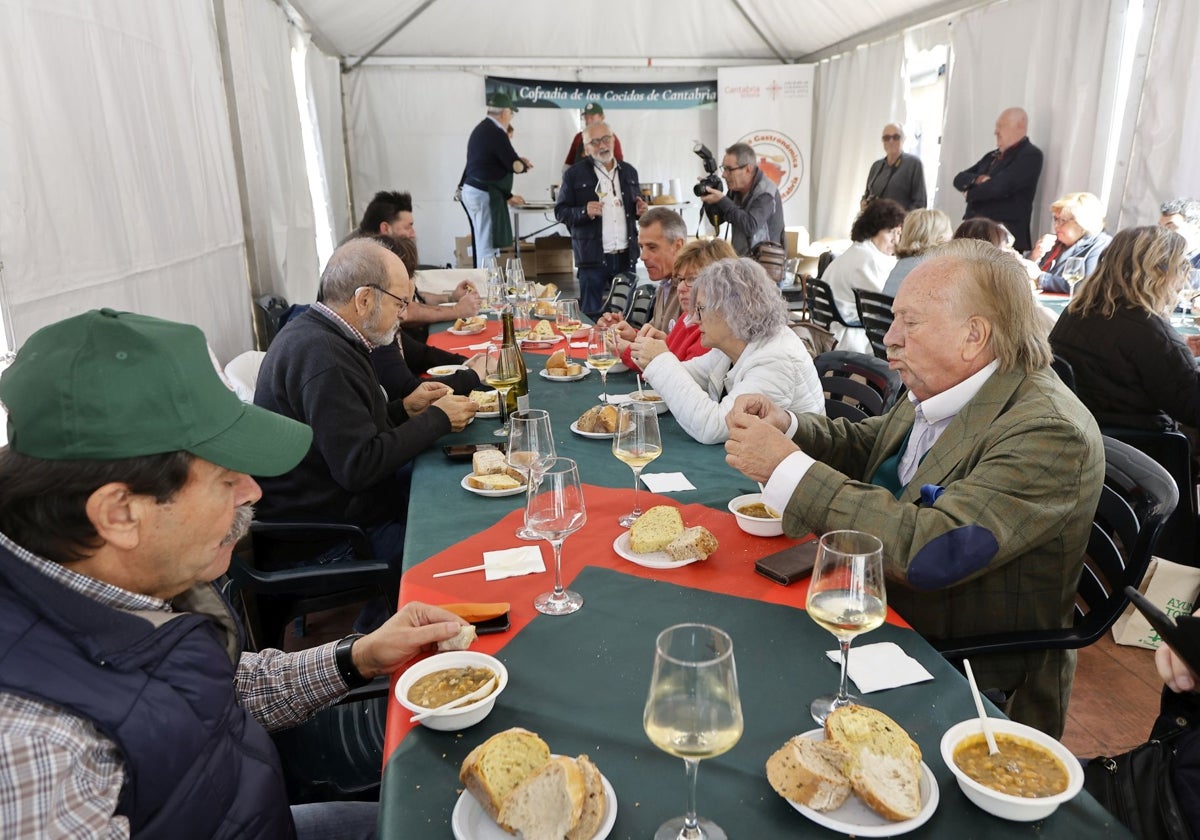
(592, 34)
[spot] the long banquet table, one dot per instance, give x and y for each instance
(580, 681)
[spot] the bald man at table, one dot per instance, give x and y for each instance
(981, 482)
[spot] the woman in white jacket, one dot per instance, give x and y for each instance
(743, 320)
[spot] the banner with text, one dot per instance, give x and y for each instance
(770, 108)
(535, 93)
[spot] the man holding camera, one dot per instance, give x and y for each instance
(753, 206)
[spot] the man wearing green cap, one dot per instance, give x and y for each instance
(126, 703)
(486, 185)
(591, 114)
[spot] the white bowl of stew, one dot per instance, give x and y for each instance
(1036, 775)
(450, 666)
(754, 517)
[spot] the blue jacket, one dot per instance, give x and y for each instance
(578, 188)
(1088, 247)
(197, 765)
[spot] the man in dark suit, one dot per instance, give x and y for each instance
(981, 483)
(1001, 185)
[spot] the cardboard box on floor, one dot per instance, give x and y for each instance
(554, 255)
(464, 252)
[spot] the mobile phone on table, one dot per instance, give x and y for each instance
(789, 565)
(492, 625)
(464, 451)
(1181, 633)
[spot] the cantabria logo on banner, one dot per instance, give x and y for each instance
(779, 157)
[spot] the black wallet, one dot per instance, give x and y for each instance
(789, 565)
(1182, 633)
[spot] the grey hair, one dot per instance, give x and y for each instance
(740, 291)
(743, 153)
(673, 225)
(494, 112)
(1189, 208)
(598, 128)
(360, 262)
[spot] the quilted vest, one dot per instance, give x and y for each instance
(196, 764)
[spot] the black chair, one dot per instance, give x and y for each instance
(821, 309)
(823, 262)
(1173, 452)
(1065, 372)
(620, 293)
(856, 386)
(1137, 498)
(641, 306)
(274, 311)
(875, 315)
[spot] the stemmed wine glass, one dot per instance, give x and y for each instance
(567, 318)
(503, 371)
(636, 442)
(1072, 271)
(554, 509)
(602, 354)
(693, 711)
(497, 293)
(530, 448)
(847, 597)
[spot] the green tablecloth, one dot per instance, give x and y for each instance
(580, 681)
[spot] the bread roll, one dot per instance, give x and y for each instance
(599, 419)
(811, 773)
(655, 529)
(694, 543)
(493, 769)
(547, 804)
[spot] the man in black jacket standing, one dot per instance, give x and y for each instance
(1002, 184)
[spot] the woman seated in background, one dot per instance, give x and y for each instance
(1078, 232)
(864, 265)
(683, 338)
(1132, 369)
(922, 230)
(985, 230)
(743, 322)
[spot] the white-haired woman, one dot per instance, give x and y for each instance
(1078, 232)
(743, 321)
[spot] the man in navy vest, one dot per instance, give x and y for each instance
(127, 705)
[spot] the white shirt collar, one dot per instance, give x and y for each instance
(951, 401)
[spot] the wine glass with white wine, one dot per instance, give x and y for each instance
(636, 442)
(530, 449)
(554, 510)
(693, 711)
(602, 354)
(847, 597)
(1073, 270)
(567, 318)
(503, 371)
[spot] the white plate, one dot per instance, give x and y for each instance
(856, 819)
(493, 494)
(651, 560)
(453, 331)
(470, 822)
(594, 435)
(445, 370)
(545, 375)
(540, 342)
(484, 415)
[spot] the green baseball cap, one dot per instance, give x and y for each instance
(500, 99)
(593, 108)
(108, 385)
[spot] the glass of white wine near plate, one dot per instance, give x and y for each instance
(567, 317)
(636, 442)
(693, 711)
(847, 597)
(1073, 270)
(503, 372)
(602, 354)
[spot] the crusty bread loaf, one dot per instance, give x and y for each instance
(494, 481)
(488, 462)
(463, 640)
(885, 763)
(595, 802)
(547, 804)
(599, 418)
(854, 725)
(694, 543)
(655, 529)
(493, 769)
(811, 773)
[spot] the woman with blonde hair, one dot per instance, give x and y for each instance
(1132, 369)
(922, 229)
(1078, 232)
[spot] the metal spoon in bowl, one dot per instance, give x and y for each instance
(983, 718)
(478, 694)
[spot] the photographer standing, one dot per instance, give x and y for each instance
(753, 207)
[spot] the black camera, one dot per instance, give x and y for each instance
(710, 166)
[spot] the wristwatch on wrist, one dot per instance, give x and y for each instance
(345, 662)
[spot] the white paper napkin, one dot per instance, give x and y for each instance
(513, 562)
(666, 482)
(881, 666)
(616, 399)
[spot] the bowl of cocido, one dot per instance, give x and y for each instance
(754, 517)
(1023, 750)
(461, 717)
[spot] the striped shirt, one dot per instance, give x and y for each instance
(60, 777)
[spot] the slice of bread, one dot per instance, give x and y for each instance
(558, 359)
(598, 418)
(574, 369)
(595, 802)
(496, 767)
(885, 763)
(461, 641)
(542, 330)
(488, 462)
(486, 400)
(547, 804)
(694, 543)
(655, 529)
(851, 726)
(811, 773)
(475, 324)
(494, 481)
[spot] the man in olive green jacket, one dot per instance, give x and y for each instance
(981, 484)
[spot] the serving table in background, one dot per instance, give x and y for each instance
(580, 681)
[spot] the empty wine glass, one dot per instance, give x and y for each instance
(497, 293)
(1073, 270)
(503, 371)
(693, 711)
(636, 442)
(554, 510)
(530, 449)
(602, 354)
(847, 597)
